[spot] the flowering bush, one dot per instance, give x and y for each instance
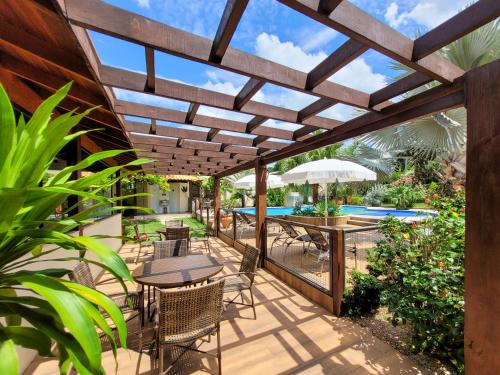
(423, 268)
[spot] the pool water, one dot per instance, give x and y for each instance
(344, 210)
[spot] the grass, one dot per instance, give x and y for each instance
(152, 225)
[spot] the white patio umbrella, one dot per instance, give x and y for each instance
(328, 171)
(248, 182)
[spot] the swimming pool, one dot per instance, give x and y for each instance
(345, 210)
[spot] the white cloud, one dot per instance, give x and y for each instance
(286, 53)
(360, 76)
(429, 13)
(318, 39)
(139, 97)
(143, 3)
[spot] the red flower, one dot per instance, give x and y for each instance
(414, 225)
(427, 200)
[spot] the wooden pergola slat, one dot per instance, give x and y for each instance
(150, 68)
(252, 86)
(472, 17)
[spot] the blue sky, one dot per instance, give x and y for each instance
(273, 31)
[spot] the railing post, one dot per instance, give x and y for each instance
(337, 281)
(234, 226)
(260, 204)
(216, 206)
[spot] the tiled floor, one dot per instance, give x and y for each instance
(290, 335)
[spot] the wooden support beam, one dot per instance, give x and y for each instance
(260, 205)
(115, 21)
(342, 56)
(150, 68)
(18, 39)
(212, 133)
(405, 84)
(217, 206)
(230, 18)
(259, 139)
(327, 6)
(152, 129)
(361, 26)
(482, 236)
(314, 108)
(303, 131)
(255, 123)
(252, 86)
(193, 108)
(471, 18)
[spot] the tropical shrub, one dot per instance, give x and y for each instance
(318, 210)
(129, 183)
(229, 203)
(376, 195)
(423, 269)
(427, 171)
(364, 297)
(357, 200)
(404, 197)
(275, 197)
(58, 311)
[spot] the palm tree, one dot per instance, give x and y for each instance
(442, 135)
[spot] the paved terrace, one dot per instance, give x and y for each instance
(291, 335)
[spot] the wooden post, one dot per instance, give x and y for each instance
(260, 204)
(482, 234)
(337, 282)
(216, 205)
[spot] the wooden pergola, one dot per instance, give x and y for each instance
(187, 151)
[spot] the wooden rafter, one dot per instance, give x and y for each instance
(150, 68)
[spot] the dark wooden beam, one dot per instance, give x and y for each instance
(482, 237)
(255, 122)
(410, 82)
(471, 18)
(303, 131)
(193, 108)
(361, 26)
(342, 56)
(250, 89)
(314, 108)
(259, 139)
(115, 21)
(230, 18)
(211, 134)
(327, 6)
(150, 68)
(152, 129)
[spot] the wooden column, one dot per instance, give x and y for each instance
(482, 246)
(260, 204)
(216, 205)
(337, 273)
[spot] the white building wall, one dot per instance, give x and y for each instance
(177, 198)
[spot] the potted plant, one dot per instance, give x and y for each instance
(57, 310)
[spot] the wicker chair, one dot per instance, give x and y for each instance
(173, 223)
(139, 238)
(186, 315)
(243, 280)
(178, 233)
(204, 234)
(170, 248)
(130, 304)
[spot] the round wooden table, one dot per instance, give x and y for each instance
(177, 271)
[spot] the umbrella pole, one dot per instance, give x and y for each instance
(325, 187)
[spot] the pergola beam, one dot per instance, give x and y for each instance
(361, 26)
(252, 86)
(230, 18)
(150, 68)
(116, 22)
(314, 108)
(471, 18)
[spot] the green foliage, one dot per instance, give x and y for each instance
(229, 203)
(404, 197)
(423, 268)
(357, 200)
(68, 314)
(275, 197)
(318, 210)
(376, 195)
(364, 297)
(129, 183)
(427, 171)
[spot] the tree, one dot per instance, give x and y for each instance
(443, 135)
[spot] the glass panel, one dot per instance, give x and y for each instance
(226, 223)
(245, 228)
(303, 254)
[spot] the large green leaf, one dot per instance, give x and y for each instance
(30, 338)
(9, 361)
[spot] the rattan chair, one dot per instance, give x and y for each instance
(139, 238)
(169, 248)
(186, 315)
(130, 304)
(178, 233)
(244, 278)
(173, 223)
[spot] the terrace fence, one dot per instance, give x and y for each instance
(319, 267)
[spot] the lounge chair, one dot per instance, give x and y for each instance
(318, 246)
(288, 237)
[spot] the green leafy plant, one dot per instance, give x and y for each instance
(364, 296)
(404, 197)
(376, 195)
(318, 210)
(357, 200)
(129, 183)
(275, 197)
(229, 203)
(57, 310)
(423, 270)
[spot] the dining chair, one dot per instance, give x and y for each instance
(130, 304)
(139, 238)
(204, 234)
(187, 315)
(243, 279)
(173, 223)
(169, 248)
(178, 233)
